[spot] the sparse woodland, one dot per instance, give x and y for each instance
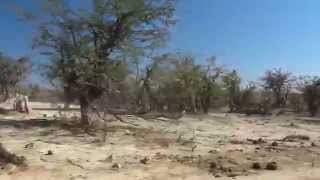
(106, 57)
(117, 104)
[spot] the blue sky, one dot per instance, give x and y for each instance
(248, 35)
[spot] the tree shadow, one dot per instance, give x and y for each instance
(75, 128)
(25, 124)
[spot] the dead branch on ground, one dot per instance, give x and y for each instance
(74, 164)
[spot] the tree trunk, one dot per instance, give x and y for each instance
(205, 102)
(84, 110)
(193, 103)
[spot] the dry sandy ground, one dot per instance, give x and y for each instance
(215, 146)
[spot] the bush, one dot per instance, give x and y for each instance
(312, 98)
(296, 102)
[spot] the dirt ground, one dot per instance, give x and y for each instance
(215, 146)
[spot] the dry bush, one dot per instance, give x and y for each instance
(254, 101)
(280, 83)
(296, 103)
(312, 98)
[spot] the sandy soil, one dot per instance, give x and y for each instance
(215, 146)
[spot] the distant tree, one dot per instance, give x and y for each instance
(178, 83)
(248, 96)
(34, 90)
(86, 46)
(232, 81)
(280, 83)
(209, 87)
(13, 72)
(311, 94)
(188, 77)
(146, 96)
(172, 78)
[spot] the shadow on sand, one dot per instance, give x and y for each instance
(23, 124)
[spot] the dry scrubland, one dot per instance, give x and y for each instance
(104, 56)
(214, 146)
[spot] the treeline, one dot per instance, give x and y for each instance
(103, 56)
(176, 83)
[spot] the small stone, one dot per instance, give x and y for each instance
(212, 165)
(226, 169)
(127, 132)
(256, 165)
(274, 143)
(29, 146)
(213, 151)
(109, 158)
(49, 153)
(258, 141)
(233, 174)
(271, 166)
(313, 144)
(145, 160)
(116, 166)
(232, 161)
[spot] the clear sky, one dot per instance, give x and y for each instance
(248, 35)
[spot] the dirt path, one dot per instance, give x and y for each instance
(217, 146)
